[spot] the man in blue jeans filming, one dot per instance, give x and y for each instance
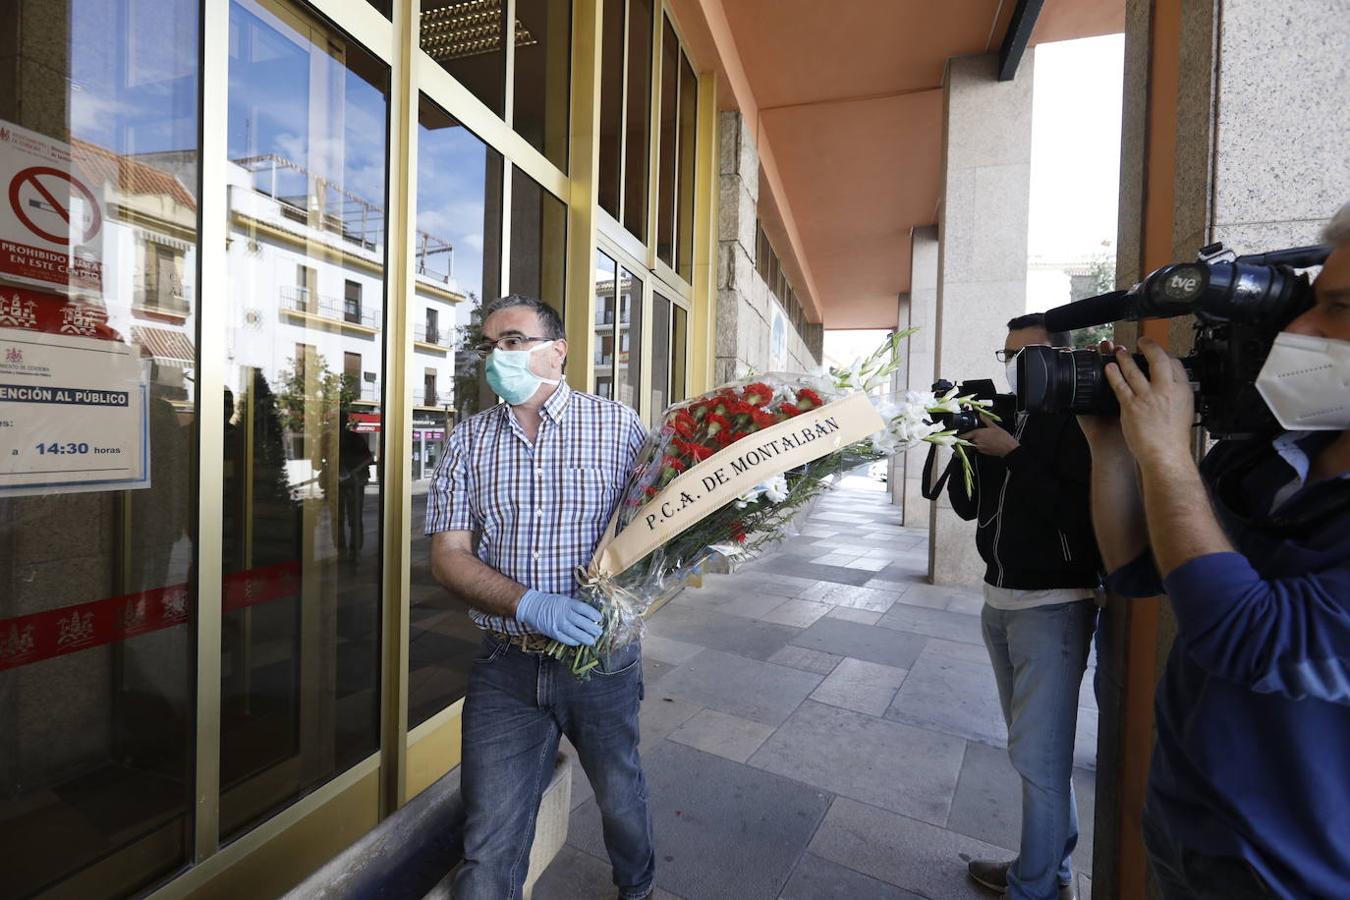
(536, 479)
(1030, 496)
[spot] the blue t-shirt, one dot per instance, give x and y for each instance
(1253, 710)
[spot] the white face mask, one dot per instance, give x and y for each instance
(1306, 382)
(1012, 374)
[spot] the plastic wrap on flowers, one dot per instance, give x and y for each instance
(697, 510)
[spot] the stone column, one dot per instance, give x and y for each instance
(922, 361)
(895, 466)
(742, 338)
(35, 60)
(1261, 123)
(982, 252)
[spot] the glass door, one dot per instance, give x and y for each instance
(620, 300)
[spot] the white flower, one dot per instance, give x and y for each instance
(750, 496)
(943, 439)
(889, 409)
(776, 488)
(911, 429)
(921, 399)
(948, 402)
(886, 441)
(850, 378)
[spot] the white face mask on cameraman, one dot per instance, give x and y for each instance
(1306, 382)
(1012, 374)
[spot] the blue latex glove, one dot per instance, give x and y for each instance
(562, 618)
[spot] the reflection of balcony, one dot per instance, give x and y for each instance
(174, 305)
(322, 205)
(430, 397)
(366, 392)
(330, 313)
(608, 327)
(435, 339)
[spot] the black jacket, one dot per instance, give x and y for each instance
(1035, 527)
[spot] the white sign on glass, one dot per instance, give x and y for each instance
(74, 414)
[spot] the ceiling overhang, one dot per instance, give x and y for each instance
(845, 102)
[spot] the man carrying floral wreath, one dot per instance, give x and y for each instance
(536, 480)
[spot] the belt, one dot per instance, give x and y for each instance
(526, 643)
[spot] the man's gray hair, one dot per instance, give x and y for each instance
(1338, 229)
(548, 316)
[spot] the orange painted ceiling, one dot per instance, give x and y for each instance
(847, 97)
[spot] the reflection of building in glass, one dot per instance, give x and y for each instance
(147, 247)
(95, 574)
(315, 260)
(614, 334)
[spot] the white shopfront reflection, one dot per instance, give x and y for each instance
(428, 443)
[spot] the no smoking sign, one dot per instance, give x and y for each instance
(54, 205)
(51, 219)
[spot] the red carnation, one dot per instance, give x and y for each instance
(652, 491)
(764, 419)
(789, 410)
(731, 408)
(697, 452)
(758, 394)
(684, 428)
(716, 422)
(808, 399)
(672, 462)
(738, 532)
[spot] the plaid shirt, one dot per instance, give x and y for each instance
(539, 508)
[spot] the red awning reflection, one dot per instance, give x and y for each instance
(365, 423)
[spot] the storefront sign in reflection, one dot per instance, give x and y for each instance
(74, 414)
(50, 216)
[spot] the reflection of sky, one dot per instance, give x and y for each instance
(133, 67)
(451, 176)
(276, 78)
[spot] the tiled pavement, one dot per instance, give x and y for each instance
(822, 724)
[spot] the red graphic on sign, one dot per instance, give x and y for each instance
(27, 639)
(46, 200)
(53, 313)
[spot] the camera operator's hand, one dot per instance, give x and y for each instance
(1104, 433)
(1156, 413)
(992, 440)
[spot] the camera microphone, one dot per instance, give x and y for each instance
(1110, 307)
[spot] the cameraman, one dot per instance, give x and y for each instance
(1249, 789)
(1030, 496)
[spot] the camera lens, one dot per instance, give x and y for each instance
(1053, 379)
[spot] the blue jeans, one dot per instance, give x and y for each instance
(1039, 655)
(517, 707)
